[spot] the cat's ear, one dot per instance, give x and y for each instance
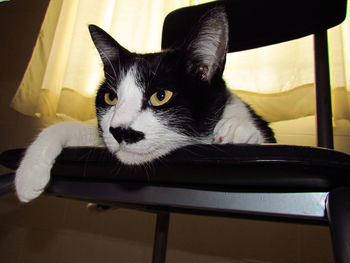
(109, 49)
(207, 47)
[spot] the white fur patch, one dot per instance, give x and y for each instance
(159, 138)
(33, 173)
(129, 101)
(236, 125)
(105, 123)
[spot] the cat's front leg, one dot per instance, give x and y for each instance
(33, 173)
(237, 125)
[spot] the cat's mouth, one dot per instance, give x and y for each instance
(134, 153)
(131, 156)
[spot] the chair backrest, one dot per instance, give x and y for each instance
(256, 23)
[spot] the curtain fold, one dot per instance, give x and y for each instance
(278, 80)
(65, 69)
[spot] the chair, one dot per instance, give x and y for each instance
(273, 182)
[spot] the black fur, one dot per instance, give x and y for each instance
(196, 105)
(126, 134)
(198, 98)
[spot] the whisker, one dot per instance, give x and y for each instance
(110, 76)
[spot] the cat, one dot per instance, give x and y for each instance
(151, 104)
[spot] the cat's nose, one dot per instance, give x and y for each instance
(127, 135)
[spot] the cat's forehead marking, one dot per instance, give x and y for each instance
(130, 99)
(128, 86)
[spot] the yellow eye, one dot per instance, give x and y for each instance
(161, 97)
(110, 99)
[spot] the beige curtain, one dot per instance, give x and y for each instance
(65, 70)
(278, 80)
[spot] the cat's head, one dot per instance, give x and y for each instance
(151, 104)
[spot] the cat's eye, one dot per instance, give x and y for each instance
(161, 97)
(110, 99)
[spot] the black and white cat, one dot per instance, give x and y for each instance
(151, 104)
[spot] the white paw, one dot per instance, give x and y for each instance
(31, 179)
(234, 130)
(33, 174)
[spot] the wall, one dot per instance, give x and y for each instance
(50, 229)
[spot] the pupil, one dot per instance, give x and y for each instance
(111, 97)
(160, 95)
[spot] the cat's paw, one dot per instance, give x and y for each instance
(235, 130)
(31, 180)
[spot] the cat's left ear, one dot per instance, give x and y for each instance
(111, 52)
(207, 47)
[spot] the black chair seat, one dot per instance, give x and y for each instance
(220, 167)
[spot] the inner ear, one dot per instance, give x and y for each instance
(207, 46)
(203, 72)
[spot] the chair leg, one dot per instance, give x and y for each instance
(338, 211)
(161, 237)
(323, 91)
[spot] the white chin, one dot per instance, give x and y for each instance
(132, 158)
